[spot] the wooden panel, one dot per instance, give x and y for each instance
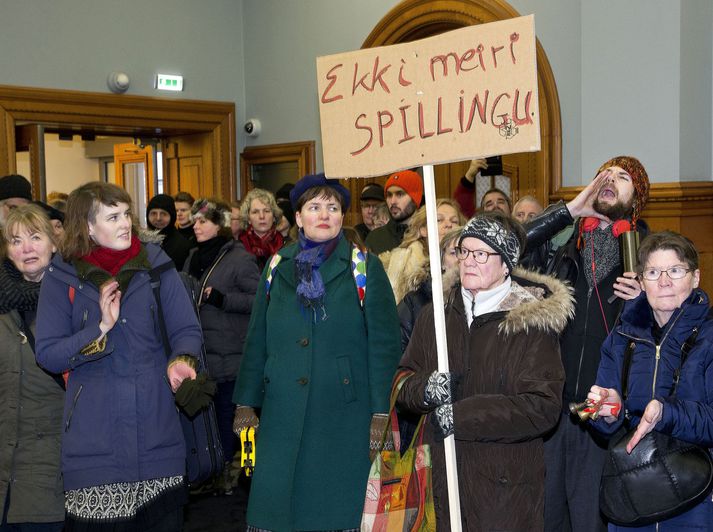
(190, 168)
(137, 116)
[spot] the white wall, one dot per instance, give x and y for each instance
(75, 44)
(696, 100)
(283, 40)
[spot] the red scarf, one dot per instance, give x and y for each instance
(264, 246)
(111, 260)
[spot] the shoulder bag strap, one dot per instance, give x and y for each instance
(205, 279)
(155, 276)
(685, 351)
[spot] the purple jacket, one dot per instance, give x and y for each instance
(120, 422)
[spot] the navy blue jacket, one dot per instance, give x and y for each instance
(689, 415)
(120, 422)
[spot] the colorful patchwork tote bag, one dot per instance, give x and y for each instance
(399, 493)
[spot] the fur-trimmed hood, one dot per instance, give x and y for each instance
(535, 301)
(407, 268)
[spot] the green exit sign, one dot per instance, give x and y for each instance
(168, 82)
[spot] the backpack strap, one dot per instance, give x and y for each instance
(358, 267)
(274, 261)
(359, 272)
(155, 276)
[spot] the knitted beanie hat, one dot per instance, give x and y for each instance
(488, 228)
(408, 180)
(15, 186)
(640, 180)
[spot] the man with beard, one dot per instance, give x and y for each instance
(403, 192)
(590, 261)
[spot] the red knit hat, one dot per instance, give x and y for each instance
(408, 180)
(639, 178)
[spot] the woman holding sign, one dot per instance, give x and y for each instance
(503, 391)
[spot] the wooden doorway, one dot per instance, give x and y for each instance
(538, 174)
(172, 121)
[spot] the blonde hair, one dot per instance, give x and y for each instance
(418, 221)
(266, 197)
(31, 217)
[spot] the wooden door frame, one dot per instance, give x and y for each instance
(120, 114)
(417, 19)
(301, 153)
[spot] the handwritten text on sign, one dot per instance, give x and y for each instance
(466, 93)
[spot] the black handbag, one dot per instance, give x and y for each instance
(662, 477)
(204, 452)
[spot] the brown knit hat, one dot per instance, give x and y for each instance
(640, 180)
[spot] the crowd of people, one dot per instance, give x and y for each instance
(305, 323)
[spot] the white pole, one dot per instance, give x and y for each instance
(441, 344)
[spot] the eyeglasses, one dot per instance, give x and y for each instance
(674, 272)
(480, 256)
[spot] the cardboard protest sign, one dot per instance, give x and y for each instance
(467, 93)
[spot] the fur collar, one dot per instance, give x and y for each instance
(536, 301)
(407, 268)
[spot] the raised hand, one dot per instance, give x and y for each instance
(583, 203)
(109, 303)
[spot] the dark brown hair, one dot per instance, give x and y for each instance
(321, 192)
(82, 207)
(493, 191)
(184, 197)
(682, 246)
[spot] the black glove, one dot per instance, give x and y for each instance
(216, 298)
(193, 395)
(440, 389)
(442, 419)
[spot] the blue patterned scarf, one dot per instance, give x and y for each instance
(310, 287)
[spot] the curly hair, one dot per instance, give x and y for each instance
(264, 196)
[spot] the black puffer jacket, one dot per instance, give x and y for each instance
(582, 339)
(235, 275)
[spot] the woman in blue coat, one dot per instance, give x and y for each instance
(659, 322)
(123, 452)
(321, 351)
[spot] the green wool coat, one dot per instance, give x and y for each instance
(318, 384)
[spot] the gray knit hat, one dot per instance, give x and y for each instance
(491, 229)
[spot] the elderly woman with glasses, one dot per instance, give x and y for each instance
(670, 312)
(503, 391)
